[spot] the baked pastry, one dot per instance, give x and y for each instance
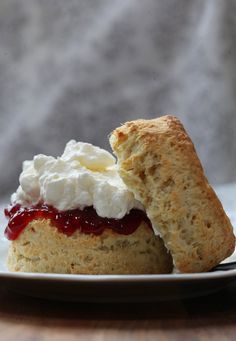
(159, 165)
(76, 214)
(41, 248)
(73, 214)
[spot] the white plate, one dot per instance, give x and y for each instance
(114, 288)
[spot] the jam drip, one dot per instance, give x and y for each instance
(86, 221)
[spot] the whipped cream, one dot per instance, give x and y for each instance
(84, 175)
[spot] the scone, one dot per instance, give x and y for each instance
(73, 214)
(158, 163)
(82, 213)
(41, 248)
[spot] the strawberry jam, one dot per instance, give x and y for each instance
(86, 220)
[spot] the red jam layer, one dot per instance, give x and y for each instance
(86, 220)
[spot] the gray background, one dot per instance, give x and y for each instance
(77, 69)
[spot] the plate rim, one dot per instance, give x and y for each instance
(118, 278)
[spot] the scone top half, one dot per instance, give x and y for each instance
(158, 163)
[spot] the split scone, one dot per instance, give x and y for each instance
(158, 163)
(83, 213)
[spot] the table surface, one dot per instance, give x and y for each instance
(208, 318)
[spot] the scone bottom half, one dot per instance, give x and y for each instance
(81, 242)
(158, 163)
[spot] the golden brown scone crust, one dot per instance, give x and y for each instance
(41, 248)
(158, 162)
